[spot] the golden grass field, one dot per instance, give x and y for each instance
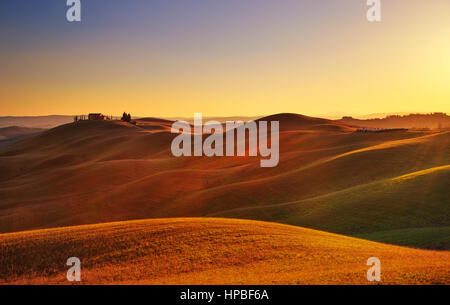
(389, 187)
(209, 251)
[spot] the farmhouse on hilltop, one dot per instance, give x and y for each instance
(97, 117)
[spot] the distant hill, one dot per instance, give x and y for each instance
(13, 133)
(292, 121)
(336, 115)
(52, 121)
(400, 120)
(415, 121)
(46, 122)
(217, 118)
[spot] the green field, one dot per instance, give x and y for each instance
(412, 210)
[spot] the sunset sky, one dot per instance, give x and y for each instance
(224, 57)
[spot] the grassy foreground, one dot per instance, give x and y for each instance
(209, 251)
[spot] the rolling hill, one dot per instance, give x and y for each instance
(436, 120)
(47, 121)
(209, 251)
(329, 178)
(13, 133)
(408, 206)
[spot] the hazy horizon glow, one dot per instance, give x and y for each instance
(224, 57)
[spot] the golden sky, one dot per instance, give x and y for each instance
(223, 58)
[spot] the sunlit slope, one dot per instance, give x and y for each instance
(210, 251)
(413, 210)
